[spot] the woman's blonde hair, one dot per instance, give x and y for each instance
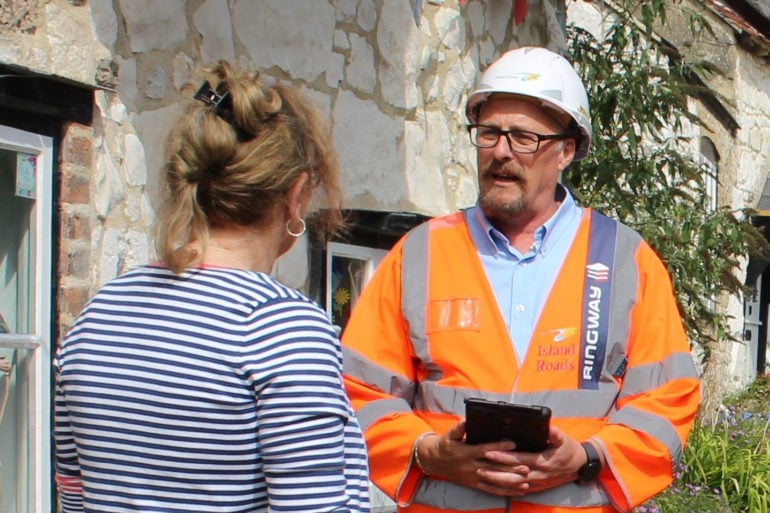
(232, 162)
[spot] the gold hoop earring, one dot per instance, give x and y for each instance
(301, 231)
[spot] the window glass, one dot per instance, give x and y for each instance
(17, 191)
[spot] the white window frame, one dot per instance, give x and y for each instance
(370, 258)
(33, 430)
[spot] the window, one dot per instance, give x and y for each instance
(710, 159)
(348, 269)
(25, 332)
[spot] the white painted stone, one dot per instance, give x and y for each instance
(71, 54)
(475, 13)
(107, 187)
(371, 166)
(425, 160)
(127, 87)
(104, 21)
(427, 56)
(345, 10)
(118, 112)
(10, 51)
(431, 88)
(437, 140)
(450, 28)
(138, 249)
(155, 85)
(499, 18)
(135, 161)
(153, 127)
(97, 234)
(463, 186)
(112, 251)
(341, 40)
(398, 36)
(148, 214)
(132, 208)
(398, 85)
(367, 15)
(455, 84)
(277, 32)
(212, 19)
(101, 102)
(335, 72)
(487, 53)
(153, 25)
(37, 59)
(414, 137)
(360, 71)
(428, 53)
(422, 181)
(556, 37)
(183, 68)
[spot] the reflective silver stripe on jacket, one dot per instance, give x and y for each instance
(451, 496)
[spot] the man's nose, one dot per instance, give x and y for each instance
(502, 150)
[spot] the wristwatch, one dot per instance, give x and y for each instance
(590, 471)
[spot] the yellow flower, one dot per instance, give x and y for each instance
(341, 296)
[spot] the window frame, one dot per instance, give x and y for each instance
(33, 456)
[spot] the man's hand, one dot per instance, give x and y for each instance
(555, 466)
(498, 468)
(449, 457)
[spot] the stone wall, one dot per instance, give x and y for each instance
(742, 80)
(392, 75)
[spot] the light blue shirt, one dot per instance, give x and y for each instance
(521, 282)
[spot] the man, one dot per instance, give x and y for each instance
(526, 298)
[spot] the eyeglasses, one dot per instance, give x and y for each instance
(519, 141)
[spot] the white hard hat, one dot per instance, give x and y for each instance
(538, 73)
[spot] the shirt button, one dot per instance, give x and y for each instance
(519, 308)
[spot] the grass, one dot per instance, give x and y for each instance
(726, 463)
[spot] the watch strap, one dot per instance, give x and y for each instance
(589, 471)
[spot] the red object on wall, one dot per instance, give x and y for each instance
(519, 11)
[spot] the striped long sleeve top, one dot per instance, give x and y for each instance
(217, 390)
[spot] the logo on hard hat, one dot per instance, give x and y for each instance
(519, 77)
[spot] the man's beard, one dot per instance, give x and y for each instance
(494, 201)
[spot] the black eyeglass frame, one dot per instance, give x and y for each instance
(507, 133)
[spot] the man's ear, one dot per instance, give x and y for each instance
(569, 146)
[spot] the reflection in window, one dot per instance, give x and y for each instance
(17, 192)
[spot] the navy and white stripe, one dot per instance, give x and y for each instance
(216, 390)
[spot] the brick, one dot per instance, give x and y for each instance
(75, 189)
(75, 226)
(75, 262)
(72, 299)
(78, 146)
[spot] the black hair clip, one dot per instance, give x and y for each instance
(209, 96)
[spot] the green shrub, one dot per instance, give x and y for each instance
(726, 464)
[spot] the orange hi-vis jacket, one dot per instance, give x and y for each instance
(608, 355)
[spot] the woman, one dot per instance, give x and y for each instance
(201, 383)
